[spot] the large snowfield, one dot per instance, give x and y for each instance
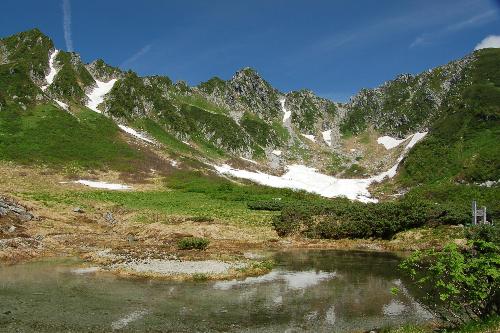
(301, 177)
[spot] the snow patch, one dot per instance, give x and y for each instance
(248, 160)
(327, 137)
(276, 152)
(52, 72)
(61, 104)
(389, 142)
(301, 177)
(96, 96)
(414, 139)
(104, 185)
(286, 114)
(133, 132)
(309, 136)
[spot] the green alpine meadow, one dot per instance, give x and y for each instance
(136, 202)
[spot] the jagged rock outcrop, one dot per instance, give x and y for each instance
(104, 72)
(310, 113)
(246, 91)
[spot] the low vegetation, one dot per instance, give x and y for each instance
(47, 135)
(193, 243)
(341, 218)
(461, 285)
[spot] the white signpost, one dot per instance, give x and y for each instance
(481, 213)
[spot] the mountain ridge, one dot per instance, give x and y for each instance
(245, 116)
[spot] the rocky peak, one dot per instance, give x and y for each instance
(102, 71)
(310, 113)
(30, 48)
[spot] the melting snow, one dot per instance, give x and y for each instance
(248, 160)
(286, 113)
(309, 136)
(308, 179)
(61, 104)
(276, 152)
(133, 132)
(96, 96)
(108, 186)
(327, 137)
(389, 142)
(52, 72)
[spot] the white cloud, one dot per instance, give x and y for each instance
(136, 56)
(490, 41)
(67, 25)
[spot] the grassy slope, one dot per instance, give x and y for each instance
(185, 193)
(463, 144)
(49, 135)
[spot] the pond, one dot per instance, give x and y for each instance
(308, 291)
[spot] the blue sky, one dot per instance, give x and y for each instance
(332, 47)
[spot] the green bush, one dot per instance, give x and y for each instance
(199, 277)
(271, 205)
(487, 233)
(460, 285)
(341, 218)
(193, 243)
(207, 219)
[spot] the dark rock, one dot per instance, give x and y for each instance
(10, 208)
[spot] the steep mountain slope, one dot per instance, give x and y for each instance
(408, 103)
(463, 141)
(247, 123)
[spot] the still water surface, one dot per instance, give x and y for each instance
(308, 291)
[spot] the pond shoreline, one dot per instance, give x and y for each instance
(311, 290)
(241, 261)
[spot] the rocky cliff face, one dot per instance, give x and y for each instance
(104, 72)
(309, 112)
(246, 91)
